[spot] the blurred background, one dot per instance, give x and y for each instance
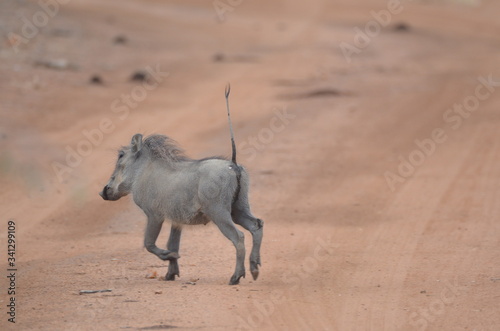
(369, 129)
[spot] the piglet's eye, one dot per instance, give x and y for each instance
(121, 155)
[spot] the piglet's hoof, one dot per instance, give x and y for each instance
(167, 255)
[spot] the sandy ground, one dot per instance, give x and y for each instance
(375, 168)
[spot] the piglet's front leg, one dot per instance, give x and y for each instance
(152, 231)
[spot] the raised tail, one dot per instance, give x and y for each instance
(237, 168)
(233, 145)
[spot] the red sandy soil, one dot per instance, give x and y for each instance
(344, 248)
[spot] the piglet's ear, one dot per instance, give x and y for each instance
(136, 143)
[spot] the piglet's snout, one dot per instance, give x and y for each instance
(104, 193)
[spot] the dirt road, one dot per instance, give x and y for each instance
(370, 133)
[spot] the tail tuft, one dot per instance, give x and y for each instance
(233, 145)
